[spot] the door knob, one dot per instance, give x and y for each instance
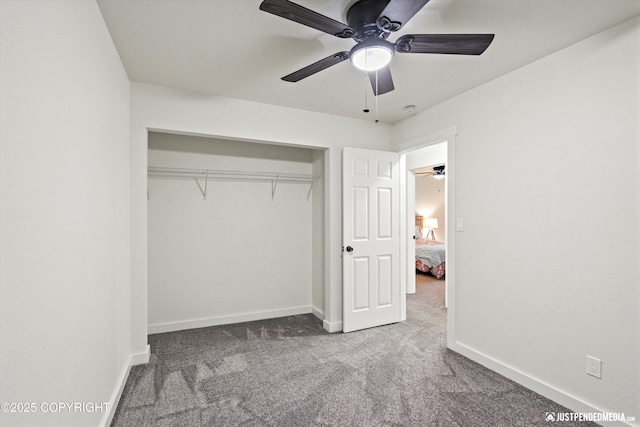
(349, 249)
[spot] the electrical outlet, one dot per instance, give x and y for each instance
(594, 366)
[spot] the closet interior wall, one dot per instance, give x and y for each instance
(243, 252)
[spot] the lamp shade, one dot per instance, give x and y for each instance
(431, 223)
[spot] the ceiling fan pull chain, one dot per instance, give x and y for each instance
(377, 119)
(366, 98)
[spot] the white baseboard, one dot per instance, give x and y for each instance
(141, 358)
(318, 313)
(226, 320)
(115, 397)
(540, 387)
(134, 359)
(332, 327)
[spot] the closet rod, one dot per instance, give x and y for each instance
(158, 171)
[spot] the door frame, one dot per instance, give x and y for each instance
(426, 159)
(449, 136)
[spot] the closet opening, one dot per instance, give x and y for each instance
(235, 231)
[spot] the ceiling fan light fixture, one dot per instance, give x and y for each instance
(371, 55)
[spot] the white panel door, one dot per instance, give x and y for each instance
(371, 226)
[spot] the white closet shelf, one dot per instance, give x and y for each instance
(161, 172)
(188, 173)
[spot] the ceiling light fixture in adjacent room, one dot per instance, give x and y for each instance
(438, 172)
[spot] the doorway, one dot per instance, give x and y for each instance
(437, 152)
(430, 225)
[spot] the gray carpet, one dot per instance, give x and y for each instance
(290, 372)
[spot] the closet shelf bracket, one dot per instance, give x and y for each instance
(310, 188)
(206, 181)
(274, 184)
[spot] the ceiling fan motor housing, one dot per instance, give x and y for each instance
(364, 17)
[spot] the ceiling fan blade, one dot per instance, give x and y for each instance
(384, 81)
(294, 12)
(455, 44)
(327, 62)
(399, 12)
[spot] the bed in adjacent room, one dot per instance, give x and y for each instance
(430, 254)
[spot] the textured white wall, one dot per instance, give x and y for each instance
(430, 155)
(64, 211)
(430, 202)
(547, 264)
(236, 254)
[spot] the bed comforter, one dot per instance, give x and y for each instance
(431, 257)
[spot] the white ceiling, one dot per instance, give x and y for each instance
(230, 48)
